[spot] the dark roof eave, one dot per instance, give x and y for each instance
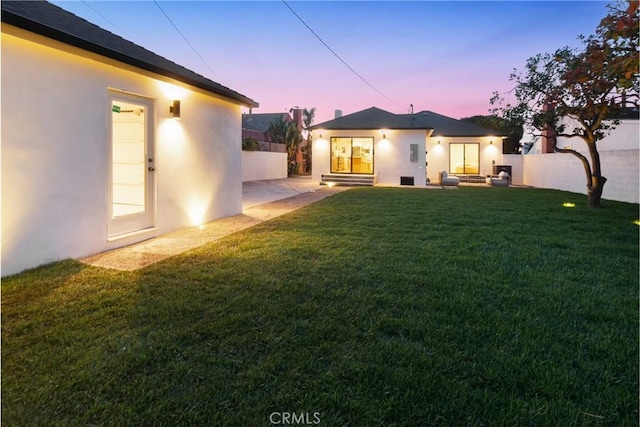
(495, 135)
(320, 127)
(52, 33)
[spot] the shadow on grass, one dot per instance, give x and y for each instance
(372, 307)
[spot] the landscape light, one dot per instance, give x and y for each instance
(569, 205)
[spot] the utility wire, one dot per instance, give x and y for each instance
(185, 39)
(339, 58)
(104, 17)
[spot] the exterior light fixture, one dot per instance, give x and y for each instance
(175, 109)
(384, 136)
(491, 142)
(438, 142)
(569, 205)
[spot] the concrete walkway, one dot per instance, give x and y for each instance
(262, 201)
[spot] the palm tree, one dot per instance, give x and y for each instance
(292, 138)
(278, 129)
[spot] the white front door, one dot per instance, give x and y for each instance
(131, 195)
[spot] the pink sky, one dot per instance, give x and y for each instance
(447, 57)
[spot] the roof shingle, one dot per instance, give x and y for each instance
(375, 118)
(46, 19)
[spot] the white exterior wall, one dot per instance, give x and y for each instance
(565, 172)
(438, 154)
(55, 136)
(320, 152)
(261, 165)
(517, 167)
(391, 155)
(626, 136)
(619, 160)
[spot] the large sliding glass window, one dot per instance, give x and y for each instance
(464, 158)
(352, 155)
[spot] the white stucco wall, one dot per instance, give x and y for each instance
(55, 127)
(391, 154)
(626, 136)
(438, 154)
(619, 158)
(392, 157)
(565, 172)
(260, 165)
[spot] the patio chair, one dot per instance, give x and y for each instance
(502, 180)
(445, 179)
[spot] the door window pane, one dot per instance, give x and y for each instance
(471, 158)
(456, 158)
(464, 158)
(128, 159)
(341, 155)
(352, 155)
(362, 153)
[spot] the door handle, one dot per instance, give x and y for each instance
(151, 168)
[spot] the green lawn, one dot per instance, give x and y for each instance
(377, 306)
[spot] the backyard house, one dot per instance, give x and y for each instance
(376, 146)
(105, 143)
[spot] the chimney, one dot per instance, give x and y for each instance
(297, 117)
(548, 133)
(338, 114)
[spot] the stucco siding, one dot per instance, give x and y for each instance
(55, 136)
(392, 157)
(565, 172)
(261, 165)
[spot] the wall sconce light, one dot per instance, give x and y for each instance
(438, 142)
(320, 136)
(175, 109)
(491, 142)
(384, 135)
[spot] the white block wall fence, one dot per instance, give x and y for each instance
(261, 165)
(565, 172)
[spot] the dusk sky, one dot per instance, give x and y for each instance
(447, 57)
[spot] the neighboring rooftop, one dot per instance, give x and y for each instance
(46, 19)
(448, 126)
(262, 121)
(375, 118)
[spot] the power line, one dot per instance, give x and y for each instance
(104, 17)
(185, 39)
(339, 58)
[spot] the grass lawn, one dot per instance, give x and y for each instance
(377, 306)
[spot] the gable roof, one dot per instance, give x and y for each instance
(48, 20)
(375, 118)
(262, 121)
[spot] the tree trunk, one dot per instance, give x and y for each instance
(595, 185)
(594, 191)
(595, 180)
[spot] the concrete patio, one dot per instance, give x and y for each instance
(262, 201)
